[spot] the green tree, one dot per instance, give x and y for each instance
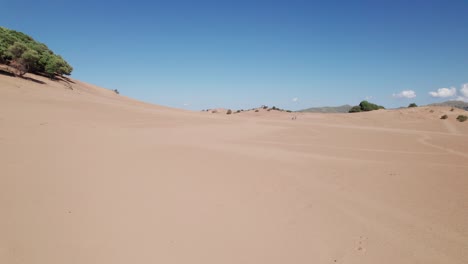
(57, 65)
(413, 105)
(16, 52)
(30, 59)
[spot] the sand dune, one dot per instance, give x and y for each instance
(89, 176)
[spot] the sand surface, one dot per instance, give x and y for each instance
(88, 176)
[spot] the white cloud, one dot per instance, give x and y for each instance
(295, 99)
(370, 97)
(405, 94)
(444, 92)
(464, 90)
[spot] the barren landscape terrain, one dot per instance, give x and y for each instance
(89, 176)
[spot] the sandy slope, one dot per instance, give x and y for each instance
(87, 176)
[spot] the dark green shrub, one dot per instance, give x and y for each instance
(117, 92)
(413, 105)
(367, 106)
(444, 117)
(355, 109)
(462, 118)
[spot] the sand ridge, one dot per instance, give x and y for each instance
(89, 176)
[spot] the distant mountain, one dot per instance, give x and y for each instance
(328, 109)
(457, 104)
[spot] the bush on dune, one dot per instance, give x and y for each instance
(24, 54)
(413, 105)
(462, 118)
(365, 106)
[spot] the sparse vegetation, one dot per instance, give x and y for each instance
(462, 118)
(214, 111)
(256, 110)
(24, 54)
(413, 105)
(229, 111)
(444, 117)
(451, 110)
(116, 91)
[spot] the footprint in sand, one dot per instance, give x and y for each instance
(362, 241)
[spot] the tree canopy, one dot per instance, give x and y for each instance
(23, 53)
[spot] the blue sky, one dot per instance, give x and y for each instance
(242, 54)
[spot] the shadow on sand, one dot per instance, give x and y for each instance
(7, 73)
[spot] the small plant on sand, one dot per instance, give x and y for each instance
(256, 110)
(431, 111)
(444, 117)
(462, 118)
(229, 111)
(116, 91)
(413, 105)
(451, 110)
(214, 111)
